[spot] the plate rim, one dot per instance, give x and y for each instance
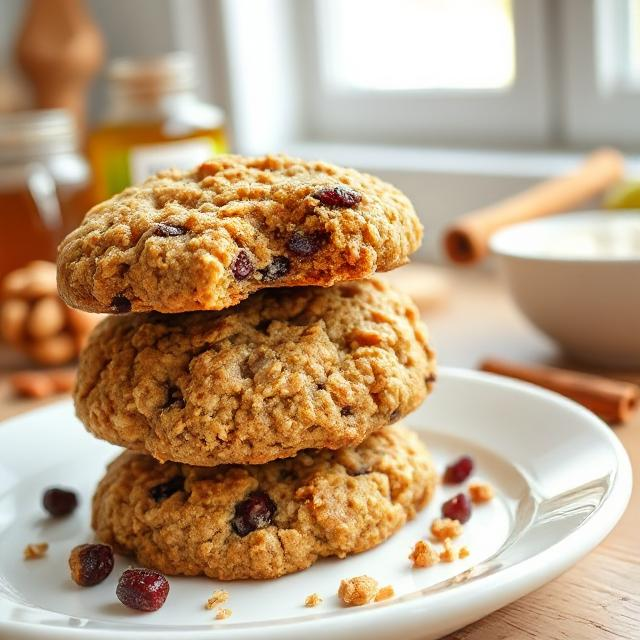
(520, 579)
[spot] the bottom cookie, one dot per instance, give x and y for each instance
(263, 521)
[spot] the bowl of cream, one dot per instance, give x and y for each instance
(576, 277)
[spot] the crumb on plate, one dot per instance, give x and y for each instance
(423, 555)
(442, 528)
(357, 591)
(464, 552)
(385, 593)
(35, 550)
(218, 597)
(480, 492)
(449, 553)
(313, 600)
(223, 614)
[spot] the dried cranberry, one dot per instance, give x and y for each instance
(458, 508)
(278, 268)
(346, 411)
(256, 512)
(90, 564)
(306, 244)
(120, 304)
(338, 197)
(242, 267)
(168, 230)
(142, 589)
(59, 502)
(164, 490)
(458, 471)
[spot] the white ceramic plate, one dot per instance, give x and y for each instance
(562, 480)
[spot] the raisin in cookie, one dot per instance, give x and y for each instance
(263, 521)
(286, 370)
(207, 238)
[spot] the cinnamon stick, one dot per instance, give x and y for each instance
(467, 241)
(612, 400)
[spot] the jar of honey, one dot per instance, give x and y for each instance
(44, 185)
(154, 121)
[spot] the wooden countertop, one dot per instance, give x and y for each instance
(598, 599)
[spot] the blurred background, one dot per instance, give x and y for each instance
(460, 103)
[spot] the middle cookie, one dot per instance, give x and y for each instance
(287, 369)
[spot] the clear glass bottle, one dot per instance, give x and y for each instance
(44, 185)
(154, 121)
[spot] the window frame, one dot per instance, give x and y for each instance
(278, 100)
(518, 115)
(597, 106)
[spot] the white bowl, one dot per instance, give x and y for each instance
(577, 278)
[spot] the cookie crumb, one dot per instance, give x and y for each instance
(385, 593)
(313, 600)
(423, 555)
(357, 591)
(223, 614)
(35, 551)
(480, 492)
(463, 552)
(218, 597)
(442, 528)
(450, 553)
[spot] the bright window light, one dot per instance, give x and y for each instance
(418, 44)
(634, 42)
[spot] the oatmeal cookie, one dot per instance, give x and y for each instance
(263, 521)
(207, 238)
(286, 370)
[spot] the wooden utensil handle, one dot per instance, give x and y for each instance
(467, 240)
(614, 401)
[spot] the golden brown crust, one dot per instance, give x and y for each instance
(284, 371)
(232, 204)
(327, 503)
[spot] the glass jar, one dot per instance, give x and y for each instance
(44, 185)
(154, 121)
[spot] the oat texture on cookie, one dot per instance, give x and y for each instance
(284, 371)
(207, 238)
(263, 521)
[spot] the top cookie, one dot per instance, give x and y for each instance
(207, 238)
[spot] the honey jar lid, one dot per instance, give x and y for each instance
(26, 135)
(153, 76)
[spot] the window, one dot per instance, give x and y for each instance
(439, 44)
(477, 73)
(425, 71)
(633, 51)
(601, 81)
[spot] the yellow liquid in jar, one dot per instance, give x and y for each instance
(125, 154)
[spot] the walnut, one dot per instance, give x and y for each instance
(35, 321)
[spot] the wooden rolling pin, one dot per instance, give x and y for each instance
(60, 49)
(612, 400)
(467, 241)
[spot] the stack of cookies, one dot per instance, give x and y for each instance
(252, 375)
